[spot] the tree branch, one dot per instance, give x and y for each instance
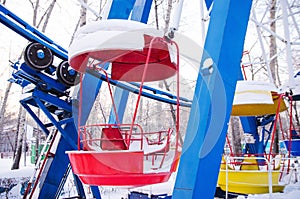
(51, 6)
(35, 11)
(41, 19)
(168, 15)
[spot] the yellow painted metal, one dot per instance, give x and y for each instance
(249, 181)
(248, 178)
(258, 109)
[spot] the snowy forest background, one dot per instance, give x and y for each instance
(59, 19)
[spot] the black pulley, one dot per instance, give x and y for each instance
(66, 75)
(38, 56)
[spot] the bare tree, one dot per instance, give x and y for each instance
(44, 17)
(236, 135)
(168, 16)
(35, 11)
(83, 11)
(76, 28)
(273, 60)
(37, 138)
(167, 23)
(173, 111)
(82, 19)
(296, 114)
(19, 138)
(156, 13)
(48, 14)
(7, 134)
(4, 104)
(273, 45)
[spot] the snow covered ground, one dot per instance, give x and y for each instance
(291, 191)
(9, 177)
(14, 178)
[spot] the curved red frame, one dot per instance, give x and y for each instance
(119, 166)
(113, 168)
(128, 65)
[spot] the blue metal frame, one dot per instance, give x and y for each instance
(66, 127)
(121, 9)
(208, 3)
(250, 125)
(120, 100)
(155, 94)
(60, 162)
(207, 127)
(141, 10)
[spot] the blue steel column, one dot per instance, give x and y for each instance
(249, 126)
(120, 9)
(205, 137)
(120, 100)
(141, 10)
(208, 3)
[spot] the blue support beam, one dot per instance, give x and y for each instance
(57, 169)
(35, 117)
(249, 126)
(141, 10)
(90, 89)
(207, 127)
(208, 3)
(121, 9)
(59, 165)
(155, 94)
(120, 99)
(69, 136)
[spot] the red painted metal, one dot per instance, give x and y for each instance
(280, 98)
(112, 139)
(106, 162)
(128, 65)
(122, 129)
(113, 168)
(126, 180)
(117, 158)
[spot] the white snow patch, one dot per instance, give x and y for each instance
(24, 171)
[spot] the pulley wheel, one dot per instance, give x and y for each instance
(66, 75)
(38, 56)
